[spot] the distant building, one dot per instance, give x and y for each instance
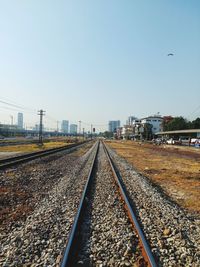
(136, 122)
(127, 132)
(73, 129)
(8, 127)
(155, 121)
(65, 126)
(20, 120)
(37, 127)
(113, 126)
(130, 120)
(118, 134)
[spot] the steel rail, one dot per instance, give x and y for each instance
(146, 251)
(31, 154)
(71, 243)
(8, 162)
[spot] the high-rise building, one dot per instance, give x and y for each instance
(113, 126)
(20, 120)
(73, 129)
(65, 126)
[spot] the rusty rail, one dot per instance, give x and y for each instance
(70, 250)
(146, 251)
(73, 244)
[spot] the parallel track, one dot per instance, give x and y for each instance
(74, 241)
(9, 162)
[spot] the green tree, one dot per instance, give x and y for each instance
(107, 134)
(147, 131)
(195, 124)
(178, 123)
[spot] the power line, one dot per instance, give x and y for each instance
(51, 118)
(193, 111)
(94, 124)
(13, 105)
(8, 108)
(16, 106)
(17, 110)
(9, 101)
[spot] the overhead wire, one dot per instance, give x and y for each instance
(13, 106)
(195, 110)
(14, 109)
(9, 108)
(94, 124)
(17, 106)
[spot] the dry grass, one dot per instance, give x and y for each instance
(31, 147)
(175, 169)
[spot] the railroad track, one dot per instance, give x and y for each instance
(12, 161)
(105, 231)
(51, 191)
(106, 236)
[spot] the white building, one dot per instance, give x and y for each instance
(127, 132)
(155, 121)
(73, 129)
(113, 126)
(65, 126)
(136, 122)
(20, 120)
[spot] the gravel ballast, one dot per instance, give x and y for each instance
(108, 238)
(173, 233)
(40, 238)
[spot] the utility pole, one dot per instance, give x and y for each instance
(91, 131)
(41, 113)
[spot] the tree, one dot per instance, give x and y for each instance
(147, 131)
(107, 134)
(195, 124)
(178, 123)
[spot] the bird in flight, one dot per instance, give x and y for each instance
(170, 54)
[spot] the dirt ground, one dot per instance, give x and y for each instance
(21, 189)
(175, 168)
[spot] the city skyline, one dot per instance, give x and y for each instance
(99, 61)
(65, 125)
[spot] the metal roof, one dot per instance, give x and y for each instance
(180, 131)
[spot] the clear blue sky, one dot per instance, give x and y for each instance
(99, 60)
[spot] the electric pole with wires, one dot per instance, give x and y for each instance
(41, 113)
